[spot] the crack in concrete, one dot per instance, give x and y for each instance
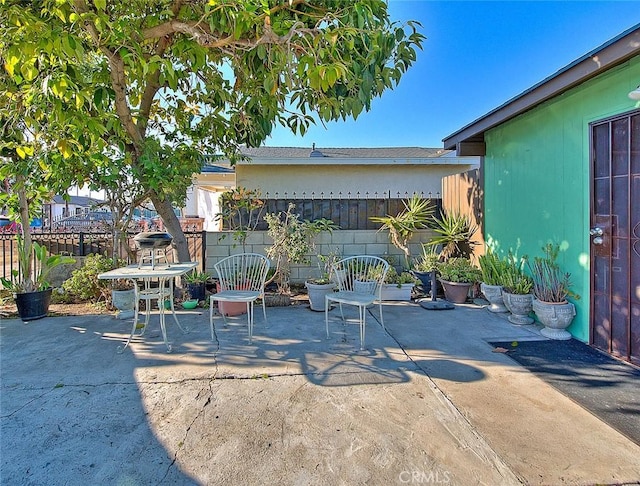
(207, 402)
(460, 428)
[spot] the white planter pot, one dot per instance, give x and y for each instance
(124, 302)
(393, 292)
(520, 307)
(493, 294)
(555, 317)
(317, 293)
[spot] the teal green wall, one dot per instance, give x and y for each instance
(536, 176)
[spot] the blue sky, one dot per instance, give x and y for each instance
(477, 56)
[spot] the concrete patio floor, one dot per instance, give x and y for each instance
(428, 402)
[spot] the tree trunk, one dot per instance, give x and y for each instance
(172, 224)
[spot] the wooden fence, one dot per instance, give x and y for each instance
(348, 214)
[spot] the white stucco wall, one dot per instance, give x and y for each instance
(387, 180)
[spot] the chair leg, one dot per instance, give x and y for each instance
(381, 318)
(264, 312)
(250, 320)
(211, 316)
(363, 316)
(326, 314)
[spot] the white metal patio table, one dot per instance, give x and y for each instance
(146, 274)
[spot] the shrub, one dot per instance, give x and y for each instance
(84, 282)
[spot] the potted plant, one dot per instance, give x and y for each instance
(317, 288)
(397, 286)
(123, 298)
(457, 275)
(292, 243)
(453, 234)
(196, 284)
(29, 285)
(516, 291)
(551, 287)
(493, 269)
(424, 266)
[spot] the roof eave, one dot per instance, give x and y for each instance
(315, 161)
(613, 53)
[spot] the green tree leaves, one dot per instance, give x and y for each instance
(96, 77)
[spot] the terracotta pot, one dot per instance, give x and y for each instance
(456, 292)
(231, 308)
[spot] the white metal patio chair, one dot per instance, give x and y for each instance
(241, 278)
(359, 280)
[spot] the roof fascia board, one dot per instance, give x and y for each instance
(363, 161)
(616, 51)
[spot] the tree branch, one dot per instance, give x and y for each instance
(118, 79)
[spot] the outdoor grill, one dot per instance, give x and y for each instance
(152, 245)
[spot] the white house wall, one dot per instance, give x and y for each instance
(208, 203)
(384, 180)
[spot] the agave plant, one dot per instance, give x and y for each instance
(453, 233)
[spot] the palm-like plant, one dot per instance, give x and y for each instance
(453, 233)
(416, 215)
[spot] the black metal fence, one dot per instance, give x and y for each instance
(81, 243)
(347, 213)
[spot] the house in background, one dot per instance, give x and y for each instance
(203, 196)
(328, 174)
(561, 159)
(59, 208)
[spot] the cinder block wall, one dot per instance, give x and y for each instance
(221, 244)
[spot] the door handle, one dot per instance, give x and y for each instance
(596, 231)
(597, 240)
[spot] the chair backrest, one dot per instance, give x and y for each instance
(244, 271)
(362, 273)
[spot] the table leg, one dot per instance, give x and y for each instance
(185, 329)
(135, 317)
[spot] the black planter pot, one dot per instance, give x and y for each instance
(425, 280)
(33, 305)
(196, 290)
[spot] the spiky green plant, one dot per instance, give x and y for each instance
(453, 233)
(415, 215)
(515, 281)
(493, 268)
(550, 283)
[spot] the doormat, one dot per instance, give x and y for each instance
(607, 388)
